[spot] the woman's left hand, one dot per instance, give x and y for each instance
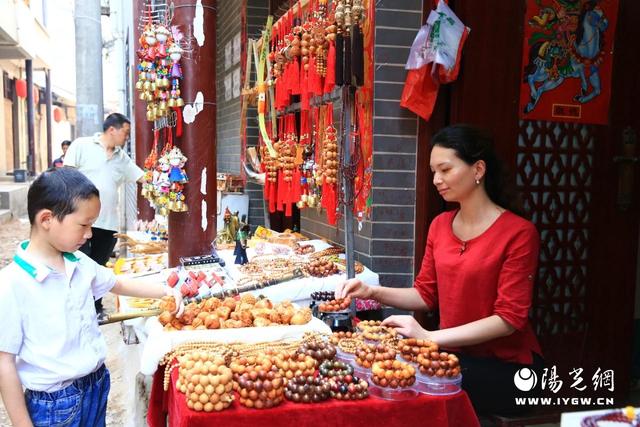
(406, 326)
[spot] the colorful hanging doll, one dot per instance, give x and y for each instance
(177, 161)
(163, 183)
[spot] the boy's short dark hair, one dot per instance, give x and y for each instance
(116, 120)
(59, 189)
(65, 142)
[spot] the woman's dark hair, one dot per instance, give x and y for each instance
(59, 189)
(472, 144)
(116, 120)
(65, 142)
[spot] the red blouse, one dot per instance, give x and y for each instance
(490, 274)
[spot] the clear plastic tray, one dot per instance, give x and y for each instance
(391, 393)
(439, 386)
(361, 372)
(345, 357)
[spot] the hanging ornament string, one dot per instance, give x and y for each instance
(349, 171)
(262, 88)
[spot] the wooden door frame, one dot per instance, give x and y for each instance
(610, 304)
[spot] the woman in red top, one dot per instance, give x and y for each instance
(478, 271)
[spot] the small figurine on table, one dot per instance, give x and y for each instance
(241, 243)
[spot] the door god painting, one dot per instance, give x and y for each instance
(567, 60)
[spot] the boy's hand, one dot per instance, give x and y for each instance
(177, 296)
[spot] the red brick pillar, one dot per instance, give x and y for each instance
(191, 232)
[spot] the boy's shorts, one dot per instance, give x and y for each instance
(83, 403)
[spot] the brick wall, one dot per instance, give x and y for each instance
(386, 241)
(228, 26)
(257, 12)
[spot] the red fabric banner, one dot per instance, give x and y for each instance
(435, 411)
(567, 60)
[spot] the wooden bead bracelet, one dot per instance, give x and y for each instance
(349, 388)
(261, 389)
(336, 337)
(367, 324)
(367, 354)
(393, 374)
(295, 364)
(334, 368)
(439, 364)
(207, 382)
(379, 333)
(341, 304)
(319, 350)
(410, 348)
(307, 389)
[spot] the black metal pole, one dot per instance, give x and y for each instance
(31, 156)
(347, 104)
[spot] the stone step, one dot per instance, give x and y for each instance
(5, 216)
(13, 196)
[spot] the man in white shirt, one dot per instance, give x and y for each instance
(102, 159)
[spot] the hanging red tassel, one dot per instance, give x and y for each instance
(305, 129)
(295, 77)
(296, 186)
(330, 78)
(315, 80)
(304, 91)
(329, 198)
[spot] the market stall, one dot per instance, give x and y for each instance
(256, 332)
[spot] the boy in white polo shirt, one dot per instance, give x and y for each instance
(102, 159)
(50, 343)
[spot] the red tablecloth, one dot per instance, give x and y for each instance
(439, 411)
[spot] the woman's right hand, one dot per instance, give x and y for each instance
(353, 288)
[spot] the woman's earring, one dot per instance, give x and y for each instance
(477, 181)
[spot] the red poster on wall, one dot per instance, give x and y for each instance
(567, 60)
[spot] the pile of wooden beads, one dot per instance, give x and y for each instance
(349, 388)
(336, 337)
(241, 364)
(379, 333)
(321, 268)
(304, 48)
(368, 354)
(206, 381)
(334, 368)
(330, 161)
(334, 250)
(227, 351)
(271, 165)
(319, 350)
(295, 364)
(335, 305)
(410, 348)
(304, 249)
(307, 389)
(349, 345)
(393, 374)
(286, 157)
(439, 364)
(368, 323)
(260, 389)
